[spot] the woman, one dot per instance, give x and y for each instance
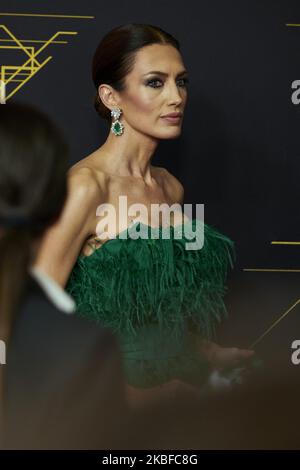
(141, 81)
(60, 373)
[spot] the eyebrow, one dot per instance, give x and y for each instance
(157, 72)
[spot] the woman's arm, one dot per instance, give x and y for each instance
(62, 242)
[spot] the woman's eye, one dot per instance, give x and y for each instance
(154, 83)
(183, 81)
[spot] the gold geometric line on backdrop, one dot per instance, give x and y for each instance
(285, 243)
(277, 270)
(21, 74)
(293, 25)
(23, 41)
(273, 324)
(42, 15)
(272, 270)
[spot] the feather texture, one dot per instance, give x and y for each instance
(149, 289)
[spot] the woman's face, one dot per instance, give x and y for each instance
(155, 87)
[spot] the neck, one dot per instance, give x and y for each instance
(129, 154)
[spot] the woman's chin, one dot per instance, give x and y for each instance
(171, 133)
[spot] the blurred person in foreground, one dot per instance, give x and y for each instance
(62, 384)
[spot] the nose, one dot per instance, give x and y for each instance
(175, 97)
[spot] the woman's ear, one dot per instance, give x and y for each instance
(108, 96)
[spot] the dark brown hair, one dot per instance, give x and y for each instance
(114, 56)
(33, 165)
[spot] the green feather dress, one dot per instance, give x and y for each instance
(151, 291)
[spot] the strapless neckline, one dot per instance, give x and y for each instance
(159, 230)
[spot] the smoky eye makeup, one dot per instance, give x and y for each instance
(157, 82)
(184, 80)
(154, 82)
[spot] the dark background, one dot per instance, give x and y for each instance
(239, 152)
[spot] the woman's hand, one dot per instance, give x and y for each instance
(222, 358)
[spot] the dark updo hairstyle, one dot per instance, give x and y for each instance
(114, 56)
(33, 165)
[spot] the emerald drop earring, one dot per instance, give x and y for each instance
(117, 127)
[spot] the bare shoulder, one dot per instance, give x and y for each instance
(85, 183)
(171, 184)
